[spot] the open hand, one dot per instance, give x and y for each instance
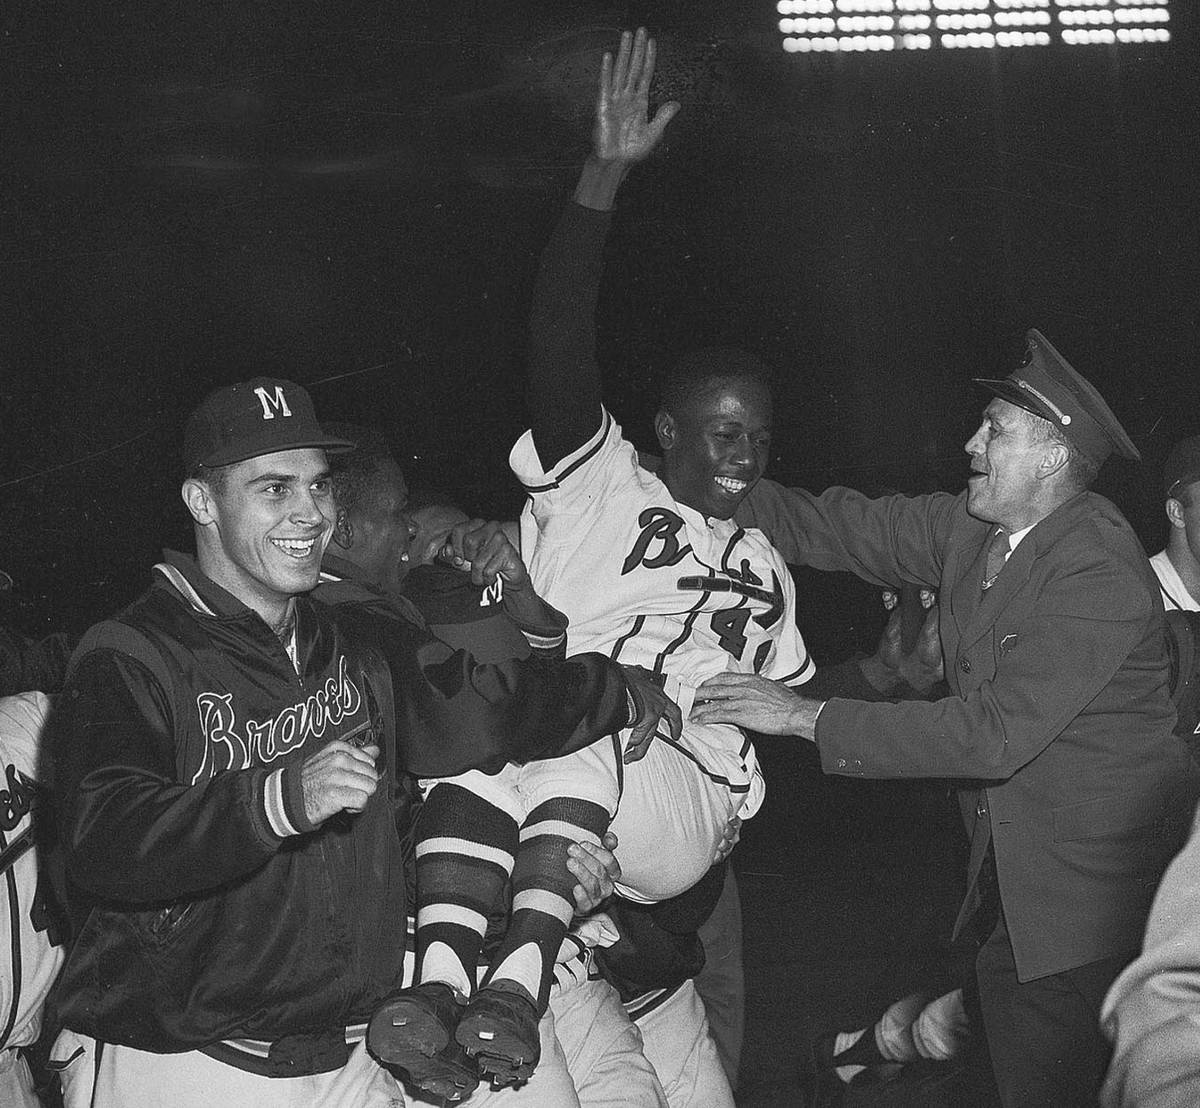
(654, 710)
(596, 868)
(757, 704)
(623, 131)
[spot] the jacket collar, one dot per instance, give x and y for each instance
(202, 593)
(183, 575)
(335, 569)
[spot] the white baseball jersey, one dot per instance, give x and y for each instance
(651, 582)
(1174, 592)
(28, 963)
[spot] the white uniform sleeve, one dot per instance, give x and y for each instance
(28, 963)
(576, 490)
(789, 660)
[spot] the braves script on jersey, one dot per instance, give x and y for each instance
(28, 963)
(653, 583)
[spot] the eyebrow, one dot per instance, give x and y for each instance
(285, 478)
(733, 421)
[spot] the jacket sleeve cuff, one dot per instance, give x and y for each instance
(283, 798)
(547, 634)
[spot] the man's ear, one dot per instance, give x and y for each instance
(1175, 513)
(200, 501)
(664, 430)
(343, 530)
(1054, 459)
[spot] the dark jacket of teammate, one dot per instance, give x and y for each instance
(472, 692)
(206, 906)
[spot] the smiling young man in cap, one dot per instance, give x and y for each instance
(1059, 721)
(224, 757)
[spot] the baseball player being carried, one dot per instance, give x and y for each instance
(650, 568)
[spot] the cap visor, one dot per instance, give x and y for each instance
(1014, 394)
(232, 455)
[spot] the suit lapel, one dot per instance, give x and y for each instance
(965, 592)
(981, 607)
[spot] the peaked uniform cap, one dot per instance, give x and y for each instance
(1048, 386)
(261, 416)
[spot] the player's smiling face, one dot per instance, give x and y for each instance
(716, 447)
(264, 527)
(383, 530)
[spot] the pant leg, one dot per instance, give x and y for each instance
(16, 1082)
(604, 1048)
(676, 1040)
(360, 1083)
(1043, 1035)
(670, 820)
(126, 1077)
(722, 983)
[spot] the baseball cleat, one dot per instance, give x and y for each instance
(499, 1030)
(413, 1035)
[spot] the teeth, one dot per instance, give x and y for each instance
(296, 548)
(731, 484)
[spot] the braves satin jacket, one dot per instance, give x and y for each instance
(206, 906)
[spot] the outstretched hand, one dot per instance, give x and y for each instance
(757, 704)
(624, 132)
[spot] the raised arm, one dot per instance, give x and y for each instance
(564, 377)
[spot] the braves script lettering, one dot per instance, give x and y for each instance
(227, 746)
(658, 525)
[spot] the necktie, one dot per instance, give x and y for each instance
(996, 556)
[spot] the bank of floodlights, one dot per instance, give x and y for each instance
(842, 26)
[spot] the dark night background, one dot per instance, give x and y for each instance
(354, 196)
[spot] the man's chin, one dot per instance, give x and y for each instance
(724, 505)
(977, 506)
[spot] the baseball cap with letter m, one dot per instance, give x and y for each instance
(261, 416)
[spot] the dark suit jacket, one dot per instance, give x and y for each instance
(1060, 718)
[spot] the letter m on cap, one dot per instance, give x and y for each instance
(273, 405)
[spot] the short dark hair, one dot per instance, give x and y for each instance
(703, 369)
(352, 472)
(1186, 492)
(215, 477)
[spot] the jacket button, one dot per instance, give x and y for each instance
(965, 665)
(981, 811)
(841, 763)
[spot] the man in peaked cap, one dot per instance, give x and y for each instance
(224, 756)
(1074, 791)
